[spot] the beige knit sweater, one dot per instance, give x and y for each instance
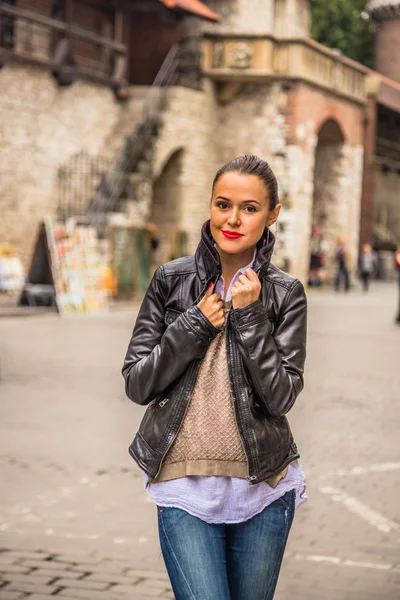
(208, 442)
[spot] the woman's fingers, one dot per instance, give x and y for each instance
(252, 275)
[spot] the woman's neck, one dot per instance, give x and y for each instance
(231, 263)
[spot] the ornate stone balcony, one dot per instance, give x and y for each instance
(259, 58)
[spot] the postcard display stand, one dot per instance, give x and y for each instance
(77, 266)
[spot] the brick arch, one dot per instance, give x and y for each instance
(310, 107)
(330, 132)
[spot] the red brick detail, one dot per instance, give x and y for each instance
(306, 103)
(387, 48)
(368, 185)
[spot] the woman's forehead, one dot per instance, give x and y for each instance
(240, 186)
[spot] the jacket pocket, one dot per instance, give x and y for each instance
(171, 315)
(155, 421)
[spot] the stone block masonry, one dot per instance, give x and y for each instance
(41, 575)
(41, 127)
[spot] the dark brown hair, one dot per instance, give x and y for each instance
(252, 165)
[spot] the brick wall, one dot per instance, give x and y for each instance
(387, 48)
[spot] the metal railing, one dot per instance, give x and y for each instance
(77, 179)
(71, 49)
(114, 181)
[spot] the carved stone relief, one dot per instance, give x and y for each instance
(239, 55)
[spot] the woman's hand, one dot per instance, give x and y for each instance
(246, 290)
(211, 306)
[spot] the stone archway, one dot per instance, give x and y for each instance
(327, 222)
(166, 207)
(337, 193)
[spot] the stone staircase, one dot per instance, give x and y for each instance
(127, 186)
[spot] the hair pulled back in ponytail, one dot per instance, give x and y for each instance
(252, 165)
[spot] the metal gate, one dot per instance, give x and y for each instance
(78, 181)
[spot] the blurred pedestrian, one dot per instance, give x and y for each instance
(317, 253)
(218, 354)
(397, 265)
(342, 271)
(367, 265)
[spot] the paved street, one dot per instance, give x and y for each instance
(75, 521)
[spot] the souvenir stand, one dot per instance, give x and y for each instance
(67, 261)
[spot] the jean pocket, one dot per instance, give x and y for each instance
(282, 501)
(286, 499)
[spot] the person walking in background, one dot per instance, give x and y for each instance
(317, 255)
(342, 269)
(217, 354)
(397, 265)
(367, 265)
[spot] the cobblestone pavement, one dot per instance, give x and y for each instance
(75, 521)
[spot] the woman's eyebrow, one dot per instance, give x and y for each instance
(243, 202)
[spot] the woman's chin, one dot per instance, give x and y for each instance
(232, 246)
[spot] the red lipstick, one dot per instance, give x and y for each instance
(231, 235)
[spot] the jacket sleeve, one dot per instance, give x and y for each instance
(274, 358)
(158, 354)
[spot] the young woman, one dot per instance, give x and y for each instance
(217, 354)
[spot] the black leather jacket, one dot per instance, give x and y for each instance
(266, 348)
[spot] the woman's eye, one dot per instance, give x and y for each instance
(222, 205)
(250, 209)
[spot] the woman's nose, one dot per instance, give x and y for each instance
(233, 218)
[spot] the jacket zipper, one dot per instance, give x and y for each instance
(252, 477)
(234, 401)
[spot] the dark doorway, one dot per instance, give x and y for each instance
(152, 33)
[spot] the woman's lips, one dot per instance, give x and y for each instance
(231, 235)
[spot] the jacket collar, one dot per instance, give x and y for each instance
(207, 258)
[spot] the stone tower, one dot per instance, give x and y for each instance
(386, 13)
(282, 18)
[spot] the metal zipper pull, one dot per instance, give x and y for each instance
(163, 402)
(251, 478)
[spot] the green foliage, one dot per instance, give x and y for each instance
(344, 25)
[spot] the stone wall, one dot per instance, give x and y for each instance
(292, 18)
(283, 18)
(240, 16)
(336, 205)
(41, 127)
(189, 125)
(166, 206)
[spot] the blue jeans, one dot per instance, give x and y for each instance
(225, 562)
(342, 272)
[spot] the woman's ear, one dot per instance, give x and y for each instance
(273, 216)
